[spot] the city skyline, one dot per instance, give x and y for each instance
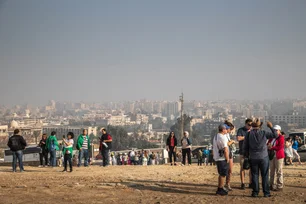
(125, 51)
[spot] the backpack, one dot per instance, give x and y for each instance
(52, 145)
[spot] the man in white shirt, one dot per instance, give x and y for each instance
(221, 156)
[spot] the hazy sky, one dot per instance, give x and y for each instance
(98, 50)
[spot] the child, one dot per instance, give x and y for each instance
(68, 150)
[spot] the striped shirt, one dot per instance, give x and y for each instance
(85, 142)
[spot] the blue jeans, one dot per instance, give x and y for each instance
(261, 165)
(17, 155)
(53, 158)
(105, 157)
(83, 153)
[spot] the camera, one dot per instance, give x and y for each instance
(221, 153)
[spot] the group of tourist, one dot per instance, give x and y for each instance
(50, 146)
(260, 151)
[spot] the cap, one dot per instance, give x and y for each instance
(227, 127)
(277, 127)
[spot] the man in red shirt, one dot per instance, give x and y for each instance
(277, 161)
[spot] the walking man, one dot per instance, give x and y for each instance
(17, 144)
(105, 146)
(83, 145)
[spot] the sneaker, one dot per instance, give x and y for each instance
(242, 186)
(171, 164)
(40, 166)
(182, 165)
(174, 164)
(228, 187)
(221, 192)
(278, 189)
(64, 170)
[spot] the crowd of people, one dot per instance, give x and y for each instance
(260, 151)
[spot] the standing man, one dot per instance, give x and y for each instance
(241, 134)
(44, 152)
(17, 144)
(83, 145)
(105, 146)
(255, 148)
(221, 156)
(186, 148)
(276, 163)
(52, 146)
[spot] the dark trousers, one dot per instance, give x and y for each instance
(186, 151)
(68, 158)
(172, 152)
(17, 155)
(105, 157)
(200, 161)
(42, 156)
(261, 165)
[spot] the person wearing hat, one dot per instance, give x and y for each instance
(277, 146)
(221, 156)
(256, 150)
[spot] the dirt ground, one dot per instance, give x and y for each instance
(137, 184)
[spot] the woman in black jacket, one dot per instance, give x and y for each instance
(171, 147)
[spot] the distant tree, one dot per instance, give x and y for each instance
(157, 123)
(194, 132)
(177, 126)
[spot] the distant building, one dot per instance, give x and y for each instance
(295, 118)
(281, 107)
(3, 130)
(63, 130)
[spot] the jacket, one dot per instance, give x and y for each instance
(279, 147)
(255, 145)
(186, 144)
(16, 143)
(169, 141)
(80, 142)
(49, 142)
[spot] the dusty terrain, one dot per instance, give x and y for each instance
(137, 184)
